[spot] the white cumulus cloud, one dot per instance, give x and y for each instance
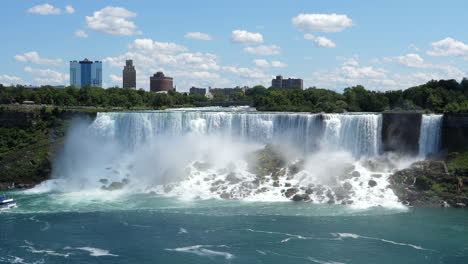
(322, 22)
(81, 34)
(448, 47)
(113, 20)
(320, 41)
(69, 9)
(34, 57)
(245, 37)
(48, 76)
(45, 9)
(263, 50)
(266, 64)
(198, 35)
(9, 79)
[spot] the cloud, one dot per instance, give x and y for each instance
(198, 35)
(449, 47)
(48, 76)
(115, 79)
(34, 57)
(45, 9)
(69, 9)
(261, 63)
(265, 64)
(263, 50)
(351, 73)
(322, 22)
(48, 9)
(248, 73)
(81, 34)
(150, 46)
(113, 20)
(413, 60)
(8, 79)
(245, 37)
(320, 41)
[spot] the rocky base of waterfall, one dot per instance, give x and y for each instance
(430, 184)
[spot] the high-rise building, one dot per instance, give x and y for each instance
(289, 83)
(159, 82)
(86, 72)
(129, 75)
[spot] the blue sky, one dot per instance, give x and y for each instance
(382, 45)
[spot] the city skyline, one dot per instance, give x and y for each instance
(329, 45)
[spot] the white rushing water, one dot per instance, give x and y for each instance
(429, 137)
(207, 153)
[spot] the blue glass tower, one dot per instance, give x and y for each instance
(86, 72)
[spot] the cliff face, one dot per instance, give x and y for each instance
(29, 141)
(455, 133)
(400, 132)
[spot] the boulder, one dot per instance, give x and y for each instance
(372, 183)
(290, 192)
(301, 197)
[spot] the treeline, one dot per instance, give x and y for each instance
(95, 96)
(443, 96)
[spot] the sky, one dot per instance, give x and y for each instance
(332, 44)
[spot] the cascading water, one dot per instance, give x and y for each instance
(429, 136)
(207, 153)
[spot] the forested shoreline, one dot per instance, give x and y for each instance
(442, 96)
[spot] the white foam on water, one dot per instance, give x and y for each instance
(182, 231)
(204, 251)
(96, 252)
(356, 236)
(324, 261)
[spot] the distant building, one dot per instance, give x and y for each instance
(195, 90)
(289, 83)
(129, 75)
(226, 91)
(86, 72)
(159, 82)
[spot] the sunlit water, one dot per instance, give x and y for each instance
(119, 228)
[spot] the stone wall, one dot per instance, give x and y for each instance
(400, 132)
(455, 133)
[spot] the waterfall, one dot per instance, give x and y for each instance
(359, 134)
(429, 135)
(212, 153)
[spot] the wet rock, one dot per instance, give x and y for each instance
(225, 195)
(372, 183)
(232, 178)
(376, 176)
(309, 191)
(290, 192)
(427, 183)
(202, 166)
(347, 186)
(287, 184)
(331, 198)
(114, 186)
(301, 197)
(356, 174)
(276, 184)
(104, 181)
(296, 167)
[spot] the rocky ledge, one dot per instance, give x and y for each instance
(430, 184)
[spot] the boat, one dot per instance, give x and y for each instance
(7, 202)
